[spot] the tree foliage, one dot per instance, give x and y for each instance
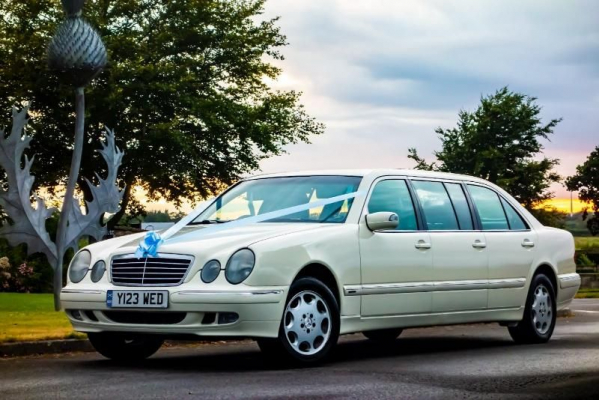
(184, 90)
(550, 216)
(499, 142)
(586, 182)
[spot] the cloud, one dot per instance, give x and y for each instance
(383, 74)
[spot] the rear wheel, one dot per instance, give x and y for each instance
(539, 314)
(125, 347)
(383, 335)
(310, 325)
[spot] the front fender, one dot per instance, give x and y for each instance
(279, 260)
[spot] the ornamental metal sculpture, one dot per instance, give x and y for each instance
(77, 54)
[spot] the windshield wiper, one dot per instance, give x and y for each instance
(208, 222)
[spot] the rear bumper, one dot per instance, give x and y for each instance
(259, 312)
(569, 280)
(568, 286)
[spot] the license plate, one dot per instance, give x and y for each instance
(137, 299)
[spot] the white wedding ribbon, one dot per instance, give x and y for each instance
(149, 245)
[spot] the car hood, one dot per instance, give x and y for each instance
(184, 241)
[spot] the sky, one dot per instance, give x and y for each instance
(384, 74)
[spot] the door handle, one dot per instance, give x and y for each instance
(528, 243)
(422, 245)
(479, 245)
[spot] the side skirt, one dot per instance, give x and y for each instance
(353, 324)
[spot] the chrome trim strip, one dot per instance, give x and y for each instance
(507, 283)
(441, 286)
(81, 291)
(569, 280)
(461, 285)
(411, 287)
(227, 293)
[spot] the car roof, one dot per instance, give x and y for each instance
(373, 173)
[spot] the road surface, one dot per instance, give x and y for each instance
(467, 361)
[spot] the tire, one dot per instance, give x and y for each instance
(125, 347)
(383, 335)
(309, 326)
(540, 313)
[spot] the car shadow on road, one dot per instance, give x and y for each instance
(406, 347)
(247, 357)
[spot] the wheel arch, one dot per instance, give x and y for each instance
(549, 271)
(324, 274)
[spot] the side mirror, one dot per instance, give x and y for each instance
(382, 221)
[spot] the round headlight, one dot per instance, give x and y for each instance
(79, 266)
(240, 266)
(98, 271)
(210, 271)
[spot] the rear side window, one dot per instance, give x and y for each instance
(515, 220)
(394, 196)
(437, 207)
(460, 204)
(489, 208)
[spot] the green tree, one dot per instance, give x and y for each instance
(184, 89)
(586, 182)
(500, 142)
(159, 216)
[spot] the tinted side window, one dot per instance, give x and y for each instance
(460, 204)
(489, 208)
(394, 196)
(436, 205)
(516, 222)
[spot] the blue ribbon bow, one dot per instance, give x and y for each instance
(148, 247)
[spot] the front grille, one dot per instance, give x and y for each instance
(144, 317)
(164, 270)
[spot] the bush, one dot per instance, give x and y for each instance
(19, 278)
(583, 261)
(550, 216)
(5, 275)
(23, 274)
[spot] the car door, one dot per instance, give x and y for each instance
(397, 264)
(460, 259)
(510, 244)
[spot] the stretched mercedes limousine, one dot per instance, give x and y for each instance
(351, 251)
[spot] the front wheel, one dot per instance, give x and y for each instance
(125, 347)
(310, 325)
(539, 313)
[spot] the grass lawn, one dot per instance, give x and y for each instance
(26, 317)
(587, 242)
(588, 294)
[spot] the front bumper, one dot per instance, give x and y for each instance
(259, 311)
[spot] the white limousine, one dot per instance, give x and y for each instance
(393, 249)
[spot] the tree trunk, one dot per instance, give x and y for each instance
(69, 200)
(124, 202)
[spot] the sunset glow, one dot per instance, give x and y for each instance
(564, 205)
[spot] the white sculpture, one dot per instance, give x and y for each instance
(77, 55)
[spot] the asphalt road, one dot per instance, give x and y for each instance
(468, 361)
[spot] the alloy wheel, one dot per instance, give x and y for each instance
(307, 323)
(542, 310)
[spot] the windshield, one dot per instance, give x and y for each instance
(261, 196)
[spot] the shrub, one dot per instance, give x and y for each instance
(20, 273)
(583, 261)
(5, 275)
